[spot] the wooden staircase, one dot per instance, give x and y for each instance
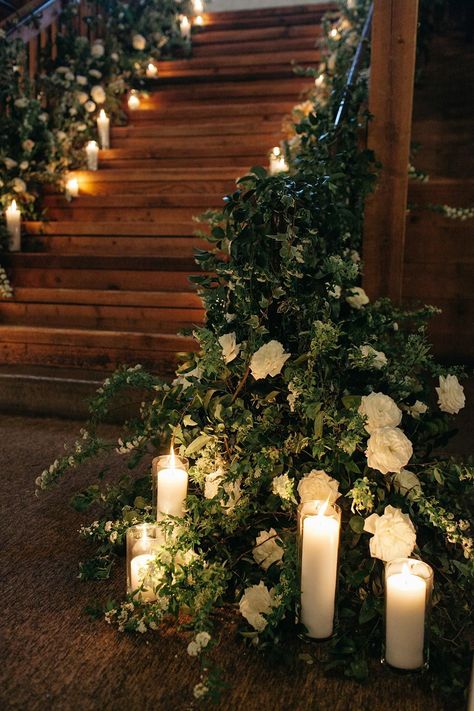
(105, 280)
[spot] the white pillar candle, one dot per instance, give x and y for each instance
(405, 620)
(92, 152)
(151, 71)
(133, 102)
(171, 489)
(278, 163)
(320, 544)
(199, 20)
(185, 27)
(13, 218)
(198, 6)
(103, 128)
(72, 188)
(138, 571)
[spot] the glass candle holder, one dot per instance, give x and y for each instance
(144, 542)
(170, 485)
(319, 525)
(408, 591)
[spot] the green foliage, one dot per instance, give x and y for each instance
(254, 427)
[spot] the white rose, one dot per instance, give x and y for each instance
(69, 76)
(335, 292)
(267, 551)
(419, 408)
(28, 145)
(44, 118)
(98, 94)
(317, 485)
(10, 163)
(268, 360)
(230, 349)
(90, 106)
(24, 165)
(72, 111)
(257, 601)
(97, 50)
(380, 411)
(358, 297)
(193, 649)
(82, 97)
(95, 73)
(21, 103)
(231, 489)
(203, 639)
(114, 56)
(378, 358)
(139, 42)
(81, 80)
(406, 483)
(61, 136)
(388, 450)
(393, 534)
(19, 185)
(451, 396)
(282, 486)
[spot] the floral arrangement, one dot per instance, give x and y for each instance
(302, 389)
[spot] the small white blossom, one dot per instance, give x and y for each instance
(256, 602)
(230, 349)
(138, 42)
(98, 94)
(267, 550)
(406, 483)
(378, 358)
(282, 486)
(451, 396)
(97, 49)
(193, 649)
(419, 408)
(200, 690)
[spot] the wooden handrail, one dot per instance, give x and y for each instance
(34, 10)
(354, 69)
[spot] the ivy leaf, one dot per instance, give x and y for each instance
(197, 444)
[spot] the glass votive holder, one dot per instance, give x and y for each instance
(408, 591)
(319, 525)
(144, 542)
(170, 485)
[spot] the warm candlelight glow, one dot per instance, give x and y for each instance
(151, 71)
(172, 457)
(319, 82)
(92, 153)
(171, 476)
(185, 27)
(198, 6)
(13, 219)
(72, 187)
(133, 102)
(199, 20)
(103, 127)
(278, 163)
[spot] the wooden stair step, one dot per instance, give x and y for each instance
(59, 261)
(226, 126)
(277, 37)
(254, 36)
(238, 92)
(116, 246)
(72, 227)
(77, 212)
(432, 238)
(170, 114)
(196, 200)
(242, 59)
(162, 299)
(287, 12)
(213, 161)
(218, 21)
(151, 147)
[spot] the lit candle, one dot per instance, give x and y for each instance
(92, 152)
(198, 6)
(133, 102)
(319, 554)
(171, 488)
(185, 27)
(139, 569)
(13, 217)
(198, 20)
(405, 619)
(72, 188)
(278, 163)
(151, 71)
(103, 127)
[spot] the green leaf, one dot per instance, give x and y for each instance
(357, 524)
(197, 444)
(351, 402)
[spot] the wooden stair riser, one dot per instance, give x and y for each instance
(114, 229)
(161, 299)
(196, 201)
(224, 126)
(212, 161)
(156, 146)
(237, 92)
(173, 114)
(76, 212)
(118, 246)
(243, 60)
(222, 39)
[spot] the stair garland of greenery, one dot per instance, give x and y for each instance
(45, 124)
(301, 386)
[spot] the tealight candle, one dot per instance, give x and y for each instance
(171, 480)
(92, 152)
(185, 27)
(199, 20)
(152, 71)
(72, 188)
(408, 586)
(144, 542)
(133, 102)
(278, 163)
(13, 218)
(198, 6)
(319, 528)
(103, 127)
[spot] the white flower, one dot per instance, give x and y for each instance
(282, 486)
(10, 163)
(69, 76)
(81, 80)
(82, 97)
(318, 485)
(388, 450)
(200, 690)
(203, 639)
(141, 627)
(230, 349)
(24, 165)
(231, 489)
(182, 378)
(257, 601)
(378, 358)
(451, 396)
(193, 649)
(419, 408)
(358, 297)
(97, 49)
(28, 145)
(72, 111)
(139, 42)
(98, 94)
(21, 103)
(19, 185)
(95, 73)
(394, 534)
(335, 292)
(267, 551)
(406, 483)
(114, 57)
(113, 536)
(293, 395)
(380, 411)
(268, 360)
(90, 106)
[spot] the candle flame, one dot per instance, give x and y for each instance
(323, 508)
(13, 206)
(172, 457)
(102, 114)
(199, 20)
(276, 151)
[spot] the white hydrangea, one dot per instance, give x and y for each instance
(388, 450)
(394, 534)
(282, 486)
(268, 360)
(317, 485)
(256, 602)
(451, 396)
(358, 298)
(378, 358)
(293, 395)
(267, 550)
(230, 349)
(380, 411)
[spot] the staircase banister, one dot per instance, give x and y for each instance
(36, 18)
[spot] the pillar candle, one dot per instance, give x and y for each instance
(198, 6)
(133, 102)
(138, 571)
(172, 489)
(103, 128)
(277, 162)
(151, 71)
(13, 218)
(199, 21)
(72, 188)
(185, 27)
(405, 620)
(92, 152)
(320, 543)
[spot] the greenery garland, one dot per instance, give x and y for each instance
(300, 388)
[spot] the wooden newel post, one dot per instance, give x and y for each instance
(392, 73)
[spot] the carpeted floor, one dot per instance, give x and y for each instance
(53, 656)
